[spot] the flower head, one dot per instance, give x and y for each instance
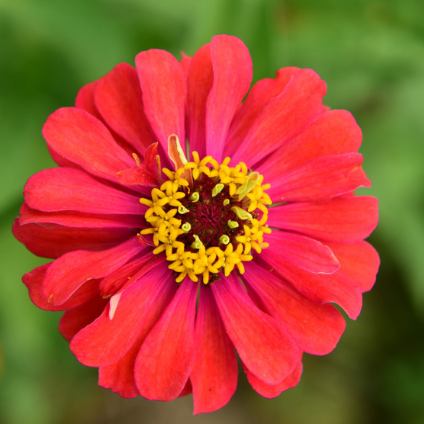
(187, 225)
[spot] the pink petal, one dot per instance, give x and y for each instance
(319, 179)
(34, 279)
(319, 288)
(283, 117)
(303, 252)
(52, 241)
(164, 93)
(214, 375)
(199, 83)
(166, 357)
(80, 220)
(271, 391)
(263, 345)
(341, 220)
(83, 140)
(119, 100)
(73, 320)
(59, 189)
(335, 132)
(73, 269)
(106, 340)
(263, 91)
(232, 68)
(315, 328)
(359, 261)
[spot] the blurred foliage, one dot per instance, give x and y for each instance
(371, 54)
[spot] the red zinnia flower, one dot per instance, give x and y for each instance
(163, 273)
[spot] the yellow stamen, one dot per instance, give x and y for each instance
(197, 243)
(224, 239)
(194, 197)
(170, 234)
(186, 227)
(241, 213)
(182, 209)
(217, 189)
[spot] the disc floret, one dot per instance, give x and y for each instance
(207, 218)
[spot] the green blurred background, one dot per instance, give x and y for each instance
(371, 54)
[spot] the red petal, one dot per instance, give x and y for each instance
(303, 252)
(335, 132)
(359, 262)
(34, 279)
(263, 91)
(188, 389)
(133, 269)
(85, 99)
(185, 63)
(214, 375)
(73, 269)
(341, 220)
(283, 117)
(263, 345)
(80, 220)
(164, 93)
(119, 100)
(145, 174)
(315, 328)
(319, 179)
(335, 288)
(108, 338)
(199, 84)
(59, 189)
(73, 320)
(270, 391)
(166, 357)
(52, 241)
(120, 375)
(232, 68)
(82, 139)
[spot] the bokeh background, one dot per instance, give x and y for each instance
(370, 53)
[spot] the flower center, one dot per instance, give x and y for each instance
(207, 218)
